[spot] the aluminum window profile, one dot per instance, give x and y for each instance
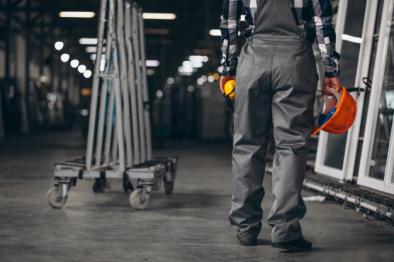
(385, 185)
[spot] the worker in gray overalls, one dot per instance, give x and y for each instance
(276, 84)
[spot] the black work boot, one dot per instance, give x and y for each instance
(246, 241)
(297, 245)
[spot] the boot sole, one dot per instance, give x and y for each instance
(247, 243)
(291, 249)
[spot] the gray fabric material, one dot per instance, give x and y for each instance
(274, 16)
(276, 85)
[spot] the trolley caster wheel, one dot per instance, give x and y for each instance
(128, 187)
(100, 185)
(168, 182)
(168, 187)
(127, 184)
(139, 199)
(156, 185)
(55, 199)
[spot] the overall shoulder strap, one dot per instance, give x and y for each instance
(275, 16)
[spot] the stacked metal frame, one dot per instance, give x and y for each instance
(119, 125)
(119, 138)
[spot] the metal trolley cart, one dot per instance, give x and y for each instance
(119, 139)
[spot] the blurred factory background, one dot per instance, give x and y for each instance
(47, 57)
(47, 61)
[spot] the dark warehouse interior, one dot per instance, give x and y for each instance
(120, 141)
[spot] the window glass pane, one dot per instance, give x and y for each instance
(336, 144)
(384, 124)
(335, 151)
(355, 17)
(372, 63)
(350, 50)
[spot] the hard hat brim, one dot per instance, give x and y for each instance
(343, 118)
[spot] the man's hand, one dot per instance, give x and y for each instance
(223, 80)
(329, 84)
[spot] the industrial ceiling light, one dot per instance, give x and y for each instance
(152, 63)
(159, 93)
(91, 49)
(81, 68)
(74, 63)
(159, 16)
(191, 88)
(198, 57)
(64, 58)
(200, 81)
(187, 64)
(150, 72)
(186, 68)
(170, 81)
(76, 14)
(87, 74)
(197, 64)
(198, 60)
(59, 45)
(215, 32)
(88, 41)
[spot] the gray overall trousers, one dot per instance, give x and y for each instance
(276, 84)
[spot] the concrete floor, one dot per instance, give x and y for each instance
(190, 225)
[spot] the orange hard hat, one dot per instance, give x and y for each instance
(343, 117)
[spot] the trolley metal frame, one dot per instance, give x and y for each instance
(119, 139)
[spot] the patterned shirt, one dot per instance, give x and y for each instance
(313, 17)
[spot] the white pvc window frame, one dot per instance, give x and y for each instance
(362, 71)
(346, 172)
(386, 184)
